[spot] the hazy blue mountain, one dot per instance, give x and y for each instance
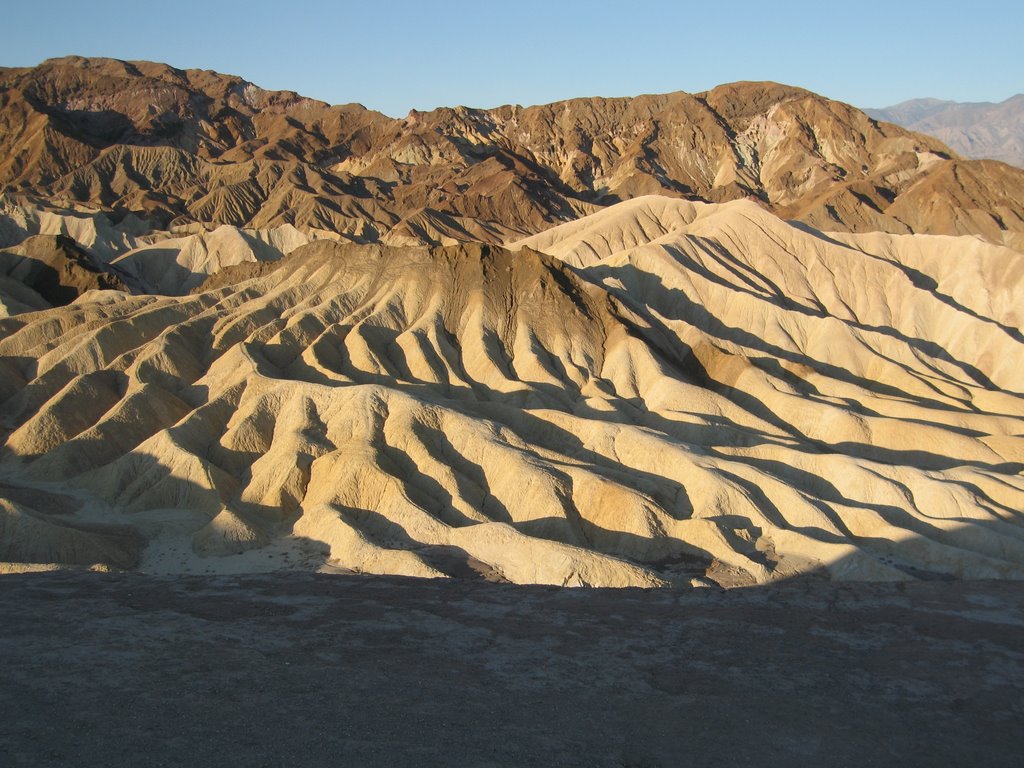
(980, 130)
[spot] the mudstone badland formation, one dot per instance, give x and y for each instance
(729, 337)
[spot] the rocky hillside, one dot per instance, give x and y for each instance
(664, 392)
(178, 147)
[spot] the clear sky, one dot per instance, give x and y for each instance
(394, 56)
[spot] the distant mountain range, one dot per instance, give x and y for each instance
(981, 130)
(192, 146)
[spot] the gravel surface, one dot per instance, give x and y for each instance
(300, 669)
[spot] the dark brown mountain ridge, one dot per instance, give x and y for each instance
(186, 146)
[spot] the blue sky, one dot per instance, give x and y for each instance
(394, 56)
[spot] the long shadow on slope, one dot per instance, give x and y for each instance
(449, 559)
(512, 410)
(672, 559)
(470, 397)
(535, 426)
(668, 494)
(681, 558)
(708, 437)
(824, 493)
(778, 297)
(822, 489)
(178, 278)
(34, 522)
(537, 431)
(98, 128)
(455, 561)
(187, 497)
(422, 489)
(920, 281)
(657, 554)
(899, 554)
(755, 281)
(559, 447)
(470, 477)
(674, 304)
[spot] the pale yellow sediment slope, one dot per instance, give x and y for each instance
(658, 392)
(172, 261)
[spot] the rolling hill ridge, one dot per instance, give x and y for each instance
(664, 392)
(187, 146)
(727, 338)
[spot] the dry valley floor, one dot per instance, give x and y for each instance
(303, 669)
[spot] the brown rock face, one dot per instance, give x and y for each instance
(197, 146)
(56, 268)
